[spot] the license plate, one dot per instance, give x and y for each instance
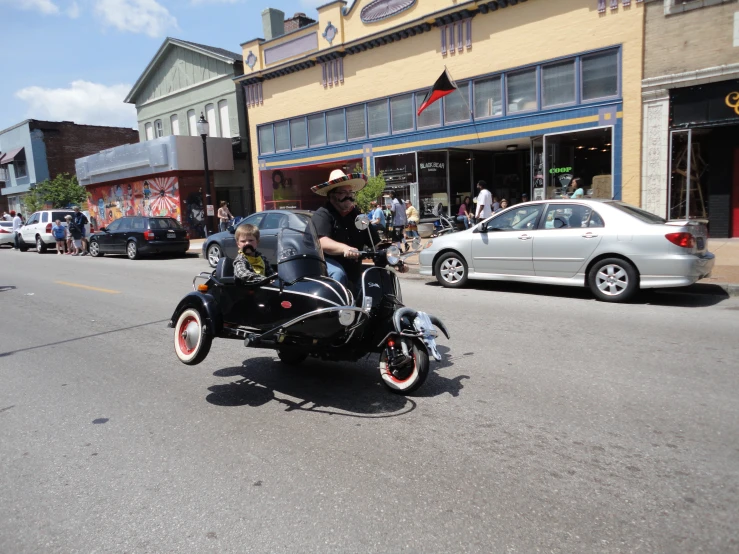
(170, 234)
(700, 243)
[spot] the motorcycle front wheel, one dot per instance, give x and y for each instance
(191, 343)
(410, 378)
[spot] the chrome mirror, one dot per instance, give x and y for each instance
(393, 255)
(362, 222)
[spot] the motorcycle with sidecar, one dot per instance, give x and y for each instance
(301, 312)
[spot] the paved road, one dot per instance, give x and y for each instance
(558, 423)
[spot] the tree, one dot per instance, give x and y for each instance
(373, 190)
(63, 191)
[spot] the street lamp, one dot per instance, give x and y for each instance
(203, 128)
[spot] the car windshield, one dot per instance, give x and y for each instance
(164, 223)
(638, 213)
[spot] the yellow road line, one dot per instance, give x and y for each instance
(87, 287)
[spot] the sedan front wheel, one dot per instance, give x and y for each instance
(214, 254)
(451, 270)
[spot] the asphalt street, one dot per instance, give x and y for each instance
(556, 423)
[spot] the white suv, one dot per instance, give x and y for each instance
(37, 229)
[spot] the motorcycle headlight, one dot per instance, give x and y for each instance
(393, 255)
(346, 317)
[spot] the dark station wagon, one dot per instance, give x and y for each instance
(138, 236)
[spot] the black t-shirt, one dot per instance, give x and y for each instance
(329, 223)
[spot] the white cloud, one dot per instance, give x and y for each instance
(82, 102)
(201, 2)
(136, 16)
(73, 11)
(46, 7)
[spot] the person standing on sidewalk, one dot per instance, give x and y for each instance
(484, 208)
(60, 234)
(75, 233)
(224, 216)
(80, 220)
(17, 224)
(399, 220)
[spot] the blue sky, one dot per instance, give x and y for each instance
(75, 60)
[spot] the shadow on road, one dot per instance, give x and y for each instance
(333, 388)
(695, 296)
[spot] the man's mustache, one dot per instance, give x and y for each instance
(345, 199)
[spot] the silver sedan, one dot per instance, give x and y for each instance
(609, 246)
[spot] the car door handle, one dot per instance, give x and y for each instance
(589, 236)
(524, 237)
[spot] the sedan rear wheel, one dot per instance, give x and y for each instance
(214, 254)
(613, 280)
(40, 245)
(132, 250)
(451, 270)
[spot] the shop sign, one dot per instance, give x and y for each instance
(556, 170)
(432, 166)
(732, 100)
(705, 104)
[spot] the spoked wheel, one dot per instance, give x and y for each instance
(214, 254)
(451, 270)
(613, 280)
(291, 358)
(408, 378)
(191, 344)
(132, 251)
(40, 245)
(95, 249)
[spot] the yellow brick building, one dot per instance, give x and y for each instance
(546, 90)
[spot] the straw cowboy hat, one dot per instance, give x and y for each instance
(338, 179)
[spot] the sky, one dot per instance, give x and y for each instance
(76, 60)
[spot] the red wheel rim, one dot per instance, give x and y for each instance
(181, 339)
(400, 381)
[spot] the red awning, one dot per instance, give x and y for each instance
(12, 154)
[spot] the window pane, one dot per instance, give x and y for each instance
(355, 122)
(210, 115)
(149, 131)
(266, 145)
(335, 125)
(282, 136)
(600, 75)
(378, 118)
(522, 91)
(175, 123)
(558, 83)
(298, 133)
(316, 130)
(401, 110)
(223, 114)
(159, 128)
(488, 98)
(455, 104)
(192, 123)
(430, 116)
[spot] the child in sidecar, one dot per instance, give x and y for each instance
(250, 266)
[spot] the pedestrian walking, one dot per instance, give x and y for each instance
(80, 220)
(76, 235)
(377, 218)
(17, 224)
(411, 214)
(224, 216)
(399, 220)
(484, 207)
(60, 234)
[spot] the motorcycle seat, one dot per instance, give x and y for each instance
(224, 272)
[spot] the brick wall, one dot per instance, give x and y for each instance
(687, 41)
(66, 141)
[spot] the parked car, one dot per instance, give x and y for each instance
(269, 222)
(6, 233)
(137, 236)
(609, 246)
(37, 229)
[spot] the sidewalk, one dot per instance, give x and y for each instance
(725, 272)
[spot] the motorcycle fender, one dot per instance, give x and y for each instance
(206, 305)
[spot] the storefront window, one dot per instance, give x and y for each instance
(456, 104)
(282, 136)
(558, 83)
(355, 122)
(266, 140)
(600, 75)
(585, 155)
(537, 168)
(316, 130)
(522, 91)
(431, 116)
(298, 133)
(432, 182)
(335, 126)
(688, 196)
(378, 118)
(401, 111)
(488, 98)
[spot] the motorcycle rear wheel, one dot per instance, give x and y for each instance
(411, 378)
(191, 343)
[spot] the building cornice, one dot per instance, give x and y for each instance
(692, 78)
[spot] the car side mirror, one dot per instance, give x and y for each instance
(103, 229)
(482, 228)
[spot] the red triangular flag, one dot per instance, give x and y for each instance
(443, 86)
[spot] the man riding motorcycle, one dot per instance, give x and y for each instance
(340, 240)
